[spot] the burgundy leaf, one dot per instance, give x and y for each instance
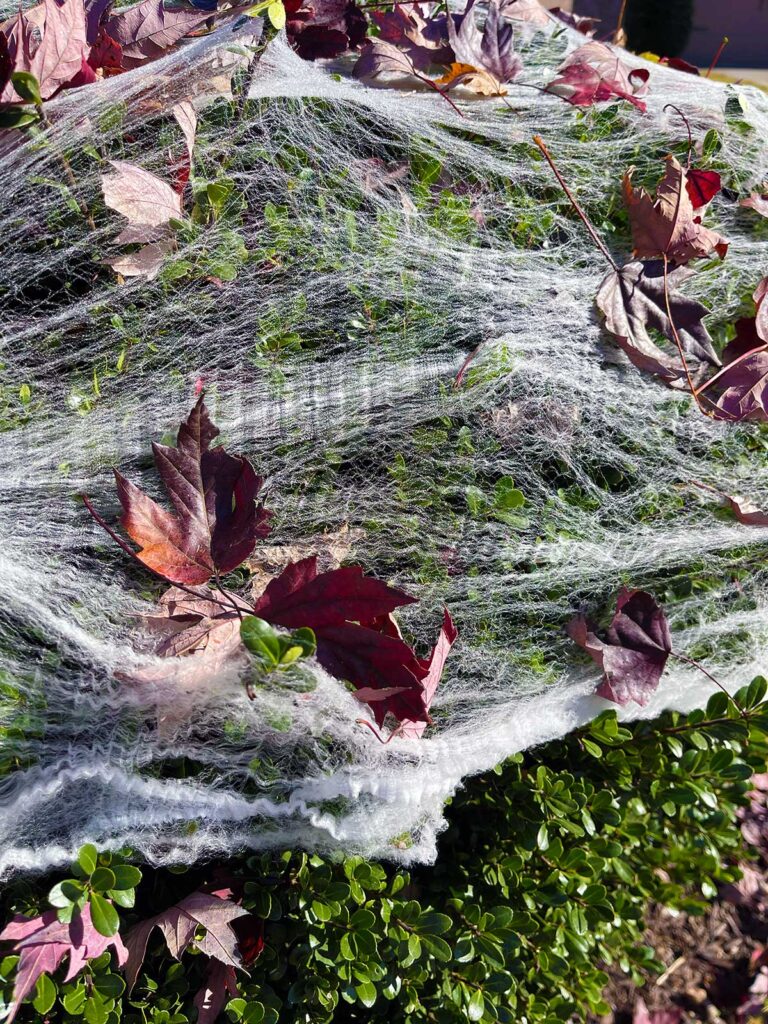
(179, 925)
(95, 12)
(433, 666)
(633, 300)
(106, 53)
(148, 29)
(43, 942)
(381, 58)
(666, 225)
(325, 28)
(219, 987)
(635, 655)
(217, 522)
(751, 331)
(593, 73)
(678, 64)
(701, 186)
(301, 597)
(367, 658)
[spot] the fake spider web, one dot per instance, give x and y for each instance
(387, 238)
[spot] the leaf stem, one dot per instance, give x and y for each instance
(97, 517)
(676, 338)
(695, 664)
(585, 220)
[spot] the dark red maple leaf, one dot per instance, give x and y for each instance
(701, 186)
(217, 521)
(636, 652)
(594, 73)
(325, 28)
(357, 639)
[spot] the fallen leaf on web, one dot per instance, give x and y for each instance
(636, 652)
(490, 52)
(348, 613)
(217, 521)
(593, 73)
(701, 186)
(146, 262)
(433, 667)
(633, 300)
(48, 41)
(147, 202)
(666, 225)
(424, 40)
(43, 942)
(148, 29)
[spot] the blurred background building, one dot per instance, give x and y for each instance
(692, 29)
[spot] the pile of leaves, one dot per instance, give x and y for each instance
(342, 617)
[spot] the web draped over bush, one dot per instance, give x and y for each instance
(365, 242)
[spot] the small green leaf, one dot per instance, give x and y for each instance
(103, 879)
(104, 916)
(27, 86)
(45, 994)
(126, 876)
(276, 14)
(87, 858)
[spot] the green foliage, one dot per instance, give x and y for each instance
(542, 880)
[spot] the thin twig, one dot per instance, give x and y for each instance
(687, 123)
(585, 220)
(717, 56)
(695, 664)
(620, 21)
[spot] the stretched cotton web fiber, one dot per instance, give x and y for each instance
(329, 361)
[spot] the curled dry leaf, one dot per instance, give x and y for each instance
(219, 987)
(593, 73)
(43, 942)
(186, 118)
(148, 29)
(633, 300)
(666, 226)
(636, 652)
(746, 511)
(751, 331)
(217, 522)
(758, 202)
